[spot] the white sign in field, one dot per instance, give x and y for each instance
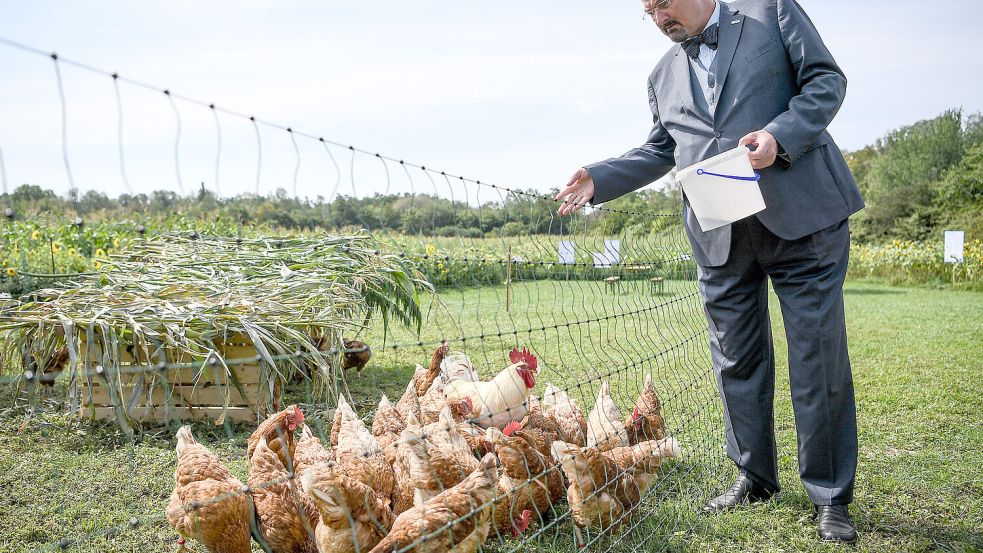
(954, 246)
(612, 249)
(610, 256)
(565, 249)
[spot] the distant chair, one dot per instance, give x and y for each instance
(614, 283)
(657, 285)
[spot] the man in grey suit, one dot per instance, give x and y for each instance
(756, 72)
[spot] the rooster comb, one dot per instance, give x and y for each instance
(524, 356)
(511, 427)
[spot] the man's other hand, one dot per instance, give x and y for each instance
(766, 151)
(579, 191)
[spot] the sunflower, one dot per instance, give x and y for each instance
(55, 247)
(35, 235)
(100, 252)
(97, 265)
(11, 271)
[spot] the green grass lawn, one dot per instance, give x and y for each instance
(917, 357)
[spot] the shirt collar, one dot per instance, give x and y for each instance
(714, 17)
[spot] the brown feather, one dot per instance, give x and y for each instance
(285, 517)
(351, 516)
(221, 520)
(648, 424)
(278, 434)
(466, 504)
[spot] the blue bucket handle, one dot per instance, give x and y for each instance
(755, 178)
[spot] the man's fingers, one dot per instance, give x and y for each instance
(571, 204)
(573, 181)
(567, 193)
(579, 191)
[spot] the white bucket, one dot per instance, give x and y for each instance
(722, 189)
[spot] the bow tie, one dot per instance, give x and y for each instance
(708, 36)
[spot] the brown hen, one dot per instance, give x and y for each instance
(646, 422)
(351, 516)
(310, 452)
(356, 356)
(422, 381)
(208, 503)
(541, 429)
(526, 469)
(409, 403)
(443, 462)
(601, 495)
(642, 460)
(565, 412)
(279, 433)
(285, 517)
(458, 519)
(359, 454)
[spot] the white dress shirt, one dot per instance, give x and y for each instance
(707, 54)
(701, 65)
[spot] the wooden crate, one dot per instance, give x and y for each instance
(196, 392)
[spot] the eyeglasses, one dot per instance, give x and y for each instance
(660, 5)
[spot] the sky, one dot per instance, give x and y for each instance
(517, 94)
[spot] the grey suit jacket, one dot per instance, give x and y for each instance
(773, 73)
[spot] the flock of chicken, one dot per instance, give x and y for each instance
(455, 460)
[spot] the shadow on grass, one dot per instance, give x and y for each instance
(872, 292)
(933, 536)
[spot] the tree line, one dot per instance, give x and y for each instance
(922, 179)
(526, 212)
(916, 180)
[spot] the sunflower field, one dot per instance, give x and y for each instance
(917, 263)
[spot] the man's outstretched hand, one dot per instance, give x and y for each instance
(578, 192)
(767, 148)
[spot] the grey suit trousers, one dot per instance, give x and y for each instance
(807, 275)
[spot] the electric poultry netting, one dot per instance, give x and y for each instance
(547, 403)
(619, 439)
(545, 385)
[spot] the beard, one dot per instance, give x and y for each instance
(674, 30)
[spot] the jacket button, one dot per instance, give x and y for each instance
(716, 135)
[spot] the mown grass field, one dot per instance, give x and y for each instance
(917, 363)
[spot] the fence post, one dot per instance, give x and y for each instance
(508, 281)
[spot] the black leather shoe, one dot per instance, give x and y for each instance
(743, 491)
(835, 523)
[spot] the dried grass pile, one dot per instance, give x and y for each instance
(173, 298)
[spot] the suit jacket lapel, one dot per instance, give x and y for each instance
(727, 38)
(680, 76)
(681, 79)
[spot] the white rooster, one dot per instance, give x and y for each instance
(503, 399)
